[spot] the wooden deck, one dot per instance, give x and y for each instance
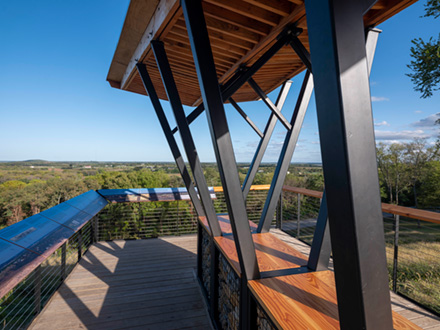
(151, 284)
(145, 284)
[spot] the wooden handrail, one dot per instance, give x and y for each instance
(303, 191)
(254, 187)
(408, 212)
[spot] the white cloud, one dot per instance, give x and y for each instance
(400, 135)
(427, 122)
(314, 142)
(382, 123)
(418, 111)
(379, 99)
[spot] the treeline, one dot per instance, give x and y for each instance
(33, 193)
(409, 175)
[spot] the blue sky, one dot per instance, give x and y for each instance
(55, 103)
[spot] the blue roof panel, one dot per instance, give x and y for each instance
(90, 202)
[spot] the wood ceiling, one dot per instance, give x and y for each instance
(240, 31)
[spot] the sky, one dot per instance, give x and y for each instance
(55, 103)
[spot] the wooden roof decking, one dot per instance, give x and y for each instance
(240, 31)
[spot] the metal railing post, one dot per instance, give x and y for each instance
(63, 262)
(96, 231)
(279, 223)
(79, 244)
(37, 289)
(298, 216)
(396, 250)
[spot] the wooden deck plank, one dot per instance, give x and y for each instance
(310, 298)
(137, 284)
(130, 284)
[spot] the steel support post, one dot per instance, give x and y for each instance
(37, 290)
(337, 42)
(63, 262)
(80, 243)
(321, 247)
(286, 154)
(185, 134)
(262, 145)
(149, 87)
(396, 251)
(298, 215)
(213, 102)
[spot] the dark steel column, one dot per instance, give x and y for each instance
(212, 99)
(186, 136)
(149, 87)
(286, 154)
(337, 42)
(321, 245)
(261, 149)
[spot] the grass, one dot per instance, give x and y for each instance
(418, 270)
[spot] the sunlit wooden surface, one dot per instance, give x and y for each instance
(150, 284)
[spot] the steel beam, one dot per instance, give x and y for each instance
(151, 91)
(221, 139)
(286, 154)
(245, 117)
(321, 246)
(338, 52)
(243, 74)
(262, 145)
(269, 103)
(186, 136)
(302, 52)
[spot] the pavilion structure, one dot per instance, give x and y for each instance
(207, 53)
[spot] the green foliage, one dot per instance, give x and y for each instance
(425, 65)
(403, 167)
(432, 8)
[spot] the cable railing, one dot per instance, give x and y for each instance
(38, 253)
(28, 279)
(128, 220)
(412, 240)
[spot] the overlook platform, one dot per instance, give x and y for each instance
(151, 284)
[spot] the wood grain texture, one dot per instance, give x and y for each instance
(145, 284)
(240, 32)
(305, 301)
(272, 253)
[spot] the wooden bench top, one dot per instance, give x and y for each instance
(272, 253)
(305, 301)
(225, 224)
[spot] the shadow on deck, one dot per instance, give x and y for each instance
(151, 284)
(145, 284)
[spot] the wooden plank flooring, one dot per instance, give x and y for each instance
(150, 284)
(146, 284)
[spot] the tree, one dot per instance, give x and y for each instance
(425, 65)
(418, 156)
(393, 169)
